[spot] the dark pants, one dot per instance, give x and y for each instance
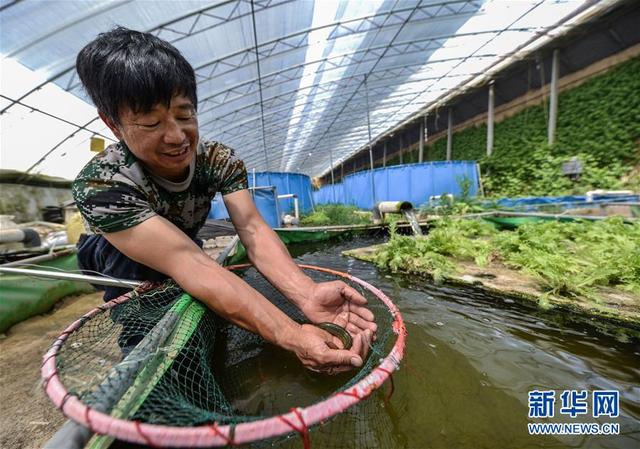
(96, 256)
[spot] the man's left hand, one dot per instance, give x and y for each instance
(338, 303)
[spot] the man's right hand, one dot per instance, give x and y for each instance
(322, 352)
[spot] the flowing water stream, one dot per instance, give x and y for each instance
(472, 358)
(413, 221)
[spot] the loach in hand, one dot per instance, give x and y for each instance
(338, 332)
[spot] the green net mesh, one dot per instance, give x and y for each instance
(186, 366)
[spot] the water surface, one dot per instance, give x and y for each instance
(472, 358)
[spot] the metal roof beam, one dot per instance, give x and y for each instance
(349, 26)
(336, 134)
(410, 47)
(356, 108)
(88, 11)
(70, 65)
(316, 107)
(418, 95)
(387, 73)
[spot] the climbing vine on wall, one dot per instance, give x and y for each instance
(598, 121)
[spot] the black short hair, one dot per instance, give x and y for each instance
(123, 67)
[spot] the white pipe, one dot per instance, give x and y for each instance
(40, 258)
(295, 202)
(393, 207)
(11, 235)
(28, 236)
(99, 280)
(592, 193)
(390, 207)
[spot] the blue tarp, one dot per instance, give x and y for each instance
(411, 182)
(567, 201)
(268, 206)
(265, 200)
(286, 183)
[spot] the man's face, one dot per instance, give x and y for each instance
(163, 139)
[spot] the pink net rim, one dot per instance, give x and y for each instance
(154, 435)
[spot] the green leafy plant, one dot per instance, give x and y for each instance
(567, 259)
(411, 255)
(597, 122)
(336, 214)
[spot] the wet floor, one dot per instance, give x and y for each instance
(471, 360)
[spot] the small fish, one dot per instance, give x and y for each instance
(338, 332)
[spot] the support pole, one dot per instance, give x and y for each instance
(345, 193)
(553, 94)
(331, 162)
(384, 154)
(421, 143)
(333, 188)
(426, 131)
(264, 137)
(490, 117)
(449, 133)
(401, 147)
(373, 187)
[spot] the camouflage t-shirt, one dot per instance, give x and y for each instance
(114, 191)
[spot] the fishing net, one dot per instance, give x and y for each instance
(157, 368)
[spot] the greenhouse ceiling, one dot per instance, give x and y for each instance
(292, 85)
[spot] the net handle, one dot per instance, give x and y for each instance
(213, 435)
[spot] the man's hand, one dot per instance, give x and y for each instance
(322, 352)
(333, 302)
(336, 302)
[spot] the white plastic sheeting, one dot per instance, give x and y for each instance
(294, 103)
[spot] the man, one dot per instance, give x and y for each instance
(146, 197)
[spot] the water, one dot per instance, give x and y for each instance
(413, 221)
(471, 360)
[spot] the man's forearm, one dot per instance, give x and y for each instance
(222, 291)
(270, 256)
(236, 301)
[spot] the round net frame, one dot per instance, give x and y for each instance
(156, 367)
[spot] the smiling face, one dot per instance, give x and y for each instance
(163, 139)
